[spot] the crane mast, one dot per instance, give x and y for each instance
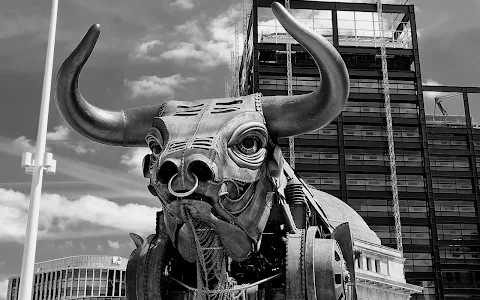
(291, 140)
(439, 104)
(391, 145)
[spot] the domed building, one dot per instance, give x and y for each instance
(379, 269)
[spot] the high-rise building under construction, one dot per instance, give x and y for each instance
(404, 155)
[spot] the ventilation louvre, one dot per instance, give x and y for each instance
(203, 143)
(188, 110)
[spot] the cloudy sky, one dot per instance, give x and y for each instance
(148, 50)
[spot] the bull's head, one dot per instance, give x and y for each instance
(213, 160)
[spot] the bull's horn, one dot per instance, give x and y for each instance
(293, 115)
(120, 128)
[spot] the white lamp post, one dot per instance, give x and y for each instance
(42, 160)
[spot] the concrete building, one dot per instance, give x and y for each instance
(437, 155)
(92, 277)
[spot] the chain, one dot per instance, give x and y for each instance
(291, 140)
(391, 146)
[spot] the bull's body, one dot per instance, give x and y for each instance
(236, 221)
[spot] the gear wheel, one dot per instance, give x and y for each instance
(295, 270)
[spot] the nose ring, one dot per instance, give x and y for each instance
(185, 194)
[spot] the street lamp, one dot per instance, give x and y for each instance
(35, 167)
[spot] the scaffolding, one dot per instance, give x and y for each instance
(391, 145)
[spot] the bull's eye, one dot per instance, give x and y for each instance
(249, 145)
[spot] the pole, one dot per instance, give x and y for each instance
(26, 277)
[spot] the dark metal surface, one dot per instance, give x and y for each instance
(145, 276)
(329, 269)
(120, 128)
(310, 279)
(343, 236)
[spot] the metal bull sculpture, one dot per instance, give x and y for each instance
(236, 223)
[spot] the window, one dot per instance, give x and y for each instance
(455, 208)
(418, 262)
(386, 234)
(376, 86)
(315, 156)
(328, 132)
(456, 232)
(416, 235)
(411, 183)
(322, 181)
(379, 208)
(449, 163)
(361, 29)
(447, 141)
(443, 185)
(368, 182)
(96, 282)
(461, 279)
(413, 208)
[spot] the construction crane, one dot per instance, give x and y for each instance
(291, 140)
(439, 100)
(391, 145)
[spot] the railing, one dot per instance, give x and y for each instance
(347, 35)
(450, 120)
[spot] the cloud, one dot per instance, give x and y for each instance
(79, 148)
(150, 86)
(61, 217)
(184, 4)
(200, 43)
(113, 244)
(23, 144)
(59, 137)
(3, 289)
(116, 181)
(430, 95)
(144, 50)
(134, 158)
(60, 133)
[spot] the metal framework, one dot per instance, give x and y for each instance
(391, 145)
(291, 140)
(237, 45)
(233, 75)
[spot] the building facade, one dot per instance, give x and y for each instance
(92, 277)
(437, 155)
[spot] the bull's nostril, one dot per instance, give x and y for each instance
(167, 171)
(201, 170)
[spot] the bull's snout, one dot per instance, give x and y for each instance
(199, 168)
(181, 178)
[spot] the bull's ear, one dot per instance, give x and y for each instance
(136, 239)
(275, 163)
(146, 166)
